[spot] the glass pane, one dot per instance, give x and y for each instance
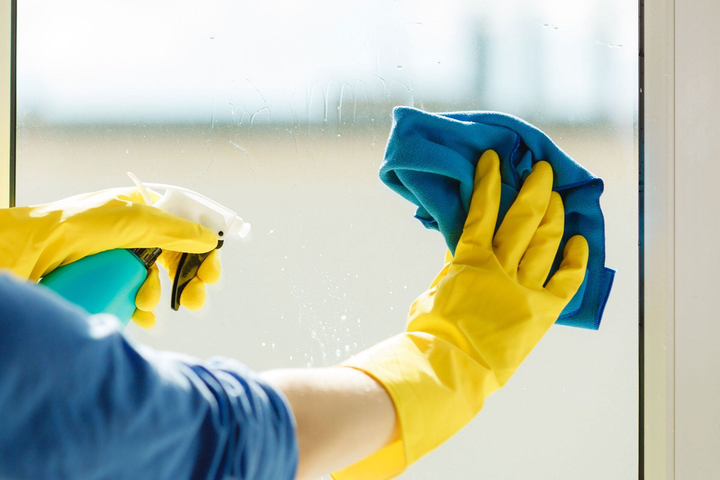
(280, 111)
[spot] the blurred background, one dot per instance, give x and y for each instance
(280, 110)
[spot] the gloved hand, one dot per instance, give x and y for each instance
(483, 314)
(36, 240)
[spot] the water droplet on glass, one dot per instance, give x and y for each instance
(399, 67)
(343, 317)
(263, 344)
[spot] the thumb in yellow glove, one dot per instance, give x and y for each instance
(481, 317)
(36, 240)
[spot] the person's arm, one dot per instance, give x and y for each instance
(342, 416)
(95, 397)
(466, 336)
(36, 240)
(78, 400)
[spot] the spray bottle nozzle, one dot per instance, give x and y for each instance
(196, 208)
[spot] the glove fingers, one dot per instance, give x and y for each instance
(193, 297)
(169, 260)
(567, 280)
(148, 295)
(143, 226)
(482, 217)
(209, 271)
(540, 254)
(143, 319)
(524, 217)
(194, 294)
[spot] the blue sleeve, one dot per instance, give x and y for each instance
(78, 400)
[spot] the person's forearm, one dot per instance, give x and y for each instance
(342, 416)
(76, 392)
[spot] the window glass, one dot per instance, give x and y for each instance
(280, 110)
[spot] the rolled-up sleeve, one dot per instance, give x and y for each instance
(80, 401)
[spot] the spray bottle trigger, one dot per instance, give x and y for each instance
(187, 268)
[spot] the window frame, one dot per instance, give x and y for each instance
(656, 194)
(657, 210)
(8, 48)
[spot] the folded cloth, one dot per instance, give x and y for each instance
(430, 160)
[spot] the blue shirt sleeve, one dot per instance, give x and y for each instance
(78, 400)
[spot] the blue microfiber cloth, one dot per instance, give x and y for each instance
(430, 160)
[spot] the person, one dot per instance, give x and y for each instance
(79, 400)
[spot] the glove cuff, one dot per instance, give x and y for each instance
(436, 389)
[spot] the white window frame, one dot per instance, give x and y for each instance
(678, 75)
(681, 229)
(7, 101)
(657, 226)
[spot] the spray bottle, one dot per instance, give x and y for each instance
(108, 282)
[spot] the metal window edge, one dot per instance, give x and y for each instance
(657, 246)
(8, 11)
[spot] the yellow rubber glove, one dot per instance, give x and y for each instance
(192, 297)
(483, 314)
(36, 240)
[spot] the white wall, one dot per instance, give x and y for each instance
(697, 230)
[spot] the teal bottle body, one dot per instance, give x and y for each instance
(106, 282)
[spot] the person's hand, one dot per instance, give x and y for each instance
(478, 321)
(36, 240)
(495, 291)
(192, 297)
